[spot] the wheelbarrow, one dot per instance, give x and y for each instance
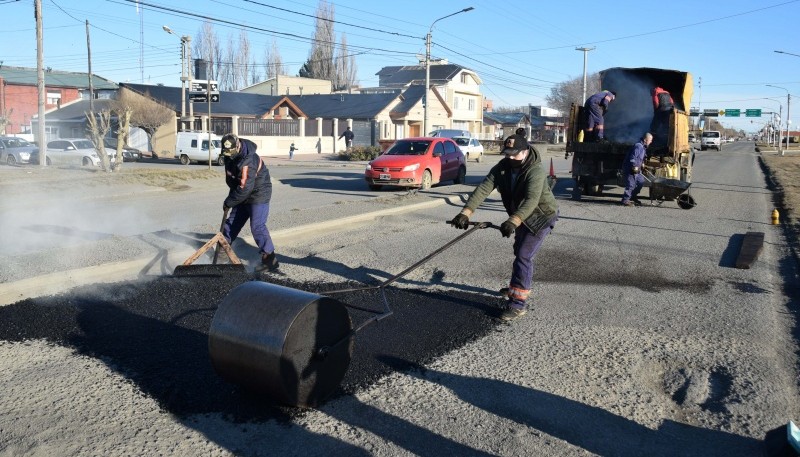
(663, 189)
(291, 345)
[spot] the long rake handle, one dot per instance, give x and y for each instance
(221, 226)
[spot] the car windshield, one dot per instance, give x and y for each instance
(83, 144)
(710, 134)
(16, 143)
(461, 141)
(409, 148)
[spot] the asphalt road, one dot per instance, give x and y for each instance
(643, 340)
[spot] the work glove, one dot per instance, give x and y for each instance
(461, 221)
(225, 207)
(635, 170)
(508, 228)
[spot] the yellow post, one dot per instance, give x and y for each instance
(775, 217)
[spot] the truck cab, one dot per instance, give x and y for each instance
(628, 118)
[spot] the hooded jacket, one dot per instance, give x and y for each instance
(528, 198)
(247, 177)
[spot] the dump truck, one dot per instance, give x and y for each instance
(596, 165)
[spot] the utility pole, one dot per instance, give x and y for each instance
(40, 83)
(91, 83)
(585, 53)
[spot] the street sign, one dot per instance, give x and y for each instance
(753, 113)
(694, 112)
(732, 112)
(722, 112)
(202, 98)
(200, 85)
(711, 112)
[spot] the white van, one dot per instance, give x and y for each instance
(193, 147)
(710, 139)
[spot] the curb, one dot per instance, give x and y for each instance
(139, 268)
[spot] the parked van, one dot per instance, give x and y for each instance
(193, 147)
(450, 133)
(710, 139)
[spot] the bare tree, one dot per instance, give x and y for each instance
(564, 94)
(99, 125)
(320, 61)
(273, 63)
(345, 66)
(208, 48)
(146, 113)
(241, 61)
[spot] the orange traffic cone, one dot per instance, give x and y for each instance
(552, 173)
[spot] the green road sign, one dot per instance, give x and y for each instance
(733, 112)
(753, 113)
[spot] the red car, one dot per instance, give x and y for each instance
(417, 162)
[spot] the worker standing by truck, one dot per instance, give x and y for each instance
(632, 171)
(595, 108)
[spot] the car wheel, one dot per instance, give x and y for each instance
(185, 159)
(702, 148)
(480, 158)
(87, 162)
(375, 187)
(48, 162)
(462, 176)
(221, 161)
(427, 180)
(11, 160)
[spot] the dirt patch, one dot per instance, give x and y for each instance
(784, 174)
(58, 179)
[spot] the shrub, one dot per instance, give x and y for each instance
(357, 153)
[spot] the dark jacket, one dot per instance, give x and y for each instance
(529, 197)
(247, 177)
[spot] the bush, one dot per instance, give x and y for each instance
(357, 153)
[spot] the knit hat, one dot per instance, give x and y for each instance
(514, 144)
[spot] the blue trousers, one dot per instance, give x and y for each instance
(257, 214)
(526, 245)
(633, 184)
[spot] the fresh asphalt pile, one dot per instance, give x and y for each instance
(155, 334)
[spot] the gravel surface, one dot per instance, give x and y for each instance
(643, 340)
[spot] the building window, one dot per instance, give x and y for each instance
(472, 105)
(53, 98)
(455, 102)
(464, 79)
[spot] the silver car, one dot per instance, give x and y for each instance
(72, 151)
(14, 151)
(471, 147)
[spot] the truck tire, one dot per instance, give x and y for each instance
(185, 159)
(576, 191)
(221, 160)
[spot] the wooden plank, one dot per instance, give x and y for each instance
(752, 245)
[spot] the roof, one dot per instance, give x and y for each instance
(410, 97)
(506, 118)
(405, 75)
(76, 111)
(234, 103)
(53, 78)
(344, 106)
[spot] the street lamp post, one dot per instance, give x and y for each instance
(428, 68)
(780, 117)
(186, 73)
(585, 53)
(788, 120)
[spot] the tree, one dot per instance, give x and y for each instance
(345, 67)
(564, 94)
(320, 61)
(273, 63)
(146, 113)
(5, 119)
(99, 125)
(207, 47)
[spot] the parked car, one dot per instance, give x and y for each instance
(129, 154)
(72, 151)
(15, 150)
(471, 147)
(449, 133)
(417, 162)
(692, 138)
(193, 147)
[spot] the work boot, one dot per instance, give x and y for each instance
(512, 313)
(269, 261)
(628, 203)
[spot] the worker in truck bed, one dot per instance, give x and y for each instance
(632, 171)
(594, 109)
(662, 108)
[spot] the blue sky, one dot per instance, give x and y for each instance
(519, 48)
